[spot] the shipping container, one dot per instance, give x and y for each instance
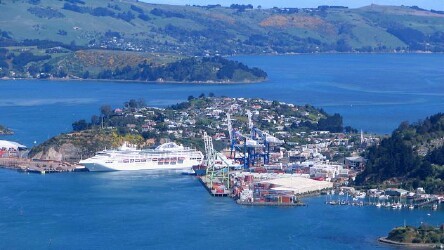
(286, 199)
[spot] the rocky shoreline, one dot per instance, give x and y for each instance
(227, 82)
(5, 131)
(39, 166)
(409, 245)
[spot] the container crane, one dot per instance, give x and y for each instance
(256, 145)
(215, 173)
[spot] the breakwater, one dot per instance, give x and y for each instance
(38, 166)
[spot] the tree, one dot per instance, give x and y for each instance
(95, 120)
(72, 45)
(425, 170)
(141, 103)
(342, 46)
(132, 103)
(106, 111)
(79, 125)
(331, 123)
(350, 130)
(85, 75)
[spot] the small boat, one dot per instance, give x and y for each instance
(396, 206)
(383, 197)
(411, 195)
(435, 207)
(333, 203)
(188, 172)
(411, 207)
(378, 204)
(360, 195)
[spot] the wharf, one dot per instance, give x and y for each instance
(39, 166)
(410, 245)
(206, 182)
(341, 202)
(260, 203)
(428, 202)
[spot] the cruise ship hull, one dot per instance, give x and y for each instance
(98, 167)
(168, 156)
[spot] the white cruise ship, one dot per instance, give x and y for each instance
(167, 156)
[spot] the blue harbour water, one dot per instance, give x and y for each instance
(146, 210)
(151, 210)
(373, 92)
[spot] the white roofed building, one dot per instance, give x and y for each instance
(10, 145)
(11, 149)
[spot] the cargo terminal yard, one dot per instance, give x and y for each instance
(264, 185)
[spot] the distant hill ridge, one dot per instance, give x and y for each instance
(217, 30)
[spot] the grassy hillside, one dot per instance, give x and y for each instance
(202, 30)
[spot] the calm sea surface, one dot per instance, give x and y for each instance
(146, 210)
(372, 92)
(166, 210)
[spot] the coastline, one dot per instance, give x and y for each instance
(410, 245)
(136, 81)
(340, 53)
(210, 82)
(75, 78)
(39, 166)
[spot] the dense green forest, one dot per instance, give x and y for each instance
(424, 234)
(332, 123)
(413, 156)
(216, 69)
(118, 65)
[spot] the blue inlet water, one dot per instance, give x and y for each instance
(163, 211)
(146, 210)
(372, 92)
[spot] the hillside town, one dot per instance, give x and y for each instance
(264, 152)
(306, 143)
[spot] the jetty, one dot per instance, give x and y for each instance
(214, 186)
(39, 166)
(264, 203)
(410, 245)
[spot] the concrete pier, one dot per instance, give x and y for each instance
(279, 204)
(38, 166)
(218, 189)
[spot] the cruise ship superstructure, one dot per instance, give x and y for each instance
(168, 156)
